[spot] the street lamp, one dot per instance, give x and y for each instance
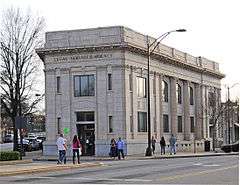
(149, 52)
(228, 115)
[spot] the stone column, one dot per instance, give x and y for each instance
(160, 106)
(186, 103)
(173, 106)
(198, 113)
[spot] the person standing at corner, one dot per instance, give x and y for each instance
(120, 146)
(62, 147)
(76, 147)
(153, 144)
(172, 142)
(162, 145)
(113, 149)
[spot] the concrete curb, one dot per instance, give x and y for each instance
(144, 157)
(49, 169)
(16, 162)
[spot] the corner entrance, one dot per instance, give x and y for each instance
(87, 138)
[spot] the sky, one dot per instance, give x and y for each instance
(212, 25)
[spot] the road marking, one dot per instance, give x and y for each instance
(206, 165)
(137, 180)
(107, 179)
(197, 173)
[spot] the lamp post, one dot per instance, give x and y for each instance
(228, 110)
(149, 52)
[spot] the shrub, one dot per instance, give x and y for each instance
(9, 155)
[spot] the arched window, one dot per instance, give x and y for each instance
(164, 91)
(179, 93)
(191, 95)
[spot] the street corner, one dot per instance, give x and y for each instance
(38, 168)
(14, 162)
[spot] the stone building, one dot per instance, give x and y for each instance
(96, 83)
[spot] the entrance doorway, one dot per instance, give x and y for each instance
(87, 138)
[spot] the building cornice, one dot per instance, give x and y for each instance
(132, 48)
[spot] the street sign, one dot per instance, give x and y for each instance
(20, 122)
(66, 130)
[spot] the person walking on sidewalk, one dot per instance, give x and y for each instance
(153, 144)
(172, 142)
(62, 147)
(162, 145)
(120, 146)
(76, 147)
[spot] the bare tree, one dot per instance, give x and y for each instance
(20, 34)
(214, 112)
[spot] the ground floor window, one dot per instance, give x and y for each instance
(142, 122)
(165, 123)
(192, 124)
(85, 116)
(179, 123)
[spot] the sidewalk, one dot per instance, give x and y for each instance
(140, 156)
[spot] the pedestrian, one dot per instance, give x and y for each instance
(153, 144)
(113, 148)
(172, 142)
(62, 147)
(120, 146)
(162, 145)
(76, 147)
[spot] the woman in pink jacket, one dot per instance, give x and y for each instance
(76, 146)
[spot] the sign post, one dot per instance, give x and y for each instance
(21, 123)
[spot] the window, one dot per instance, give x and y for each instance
(164, 91)
(179, 93)
(192, 124)
(191, 95)
(110, 126)
(179, 123)
(58, 84)
(142, 122)
(59, 125)
(165, 123)
(141, 87)
(85, 116)
(109, 81)
(84, 85)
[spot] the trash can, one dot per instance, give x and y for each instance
(207, 146)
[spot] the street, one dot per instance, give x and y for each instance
(6, 147)
(204, 170)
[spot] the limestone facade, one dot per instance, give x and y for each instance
(118, 55)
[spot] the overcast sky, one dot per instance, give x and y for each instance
(212, 25)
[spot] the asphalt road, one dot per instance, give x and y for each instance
(205, 170)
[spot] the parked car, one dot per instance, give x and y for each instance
(27, 146)
(34, 142)
(8, 138)
(40, 140)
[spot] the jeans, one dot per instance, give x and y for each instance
(120, 151)
(172, 149)
(74, 154)
(62, 156)
(162, 150)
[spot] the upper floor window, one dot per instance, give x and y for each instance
(191, 95)
(141, 87)
(58, 84)
(179, 93)
(165, 91)
(84, 85)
